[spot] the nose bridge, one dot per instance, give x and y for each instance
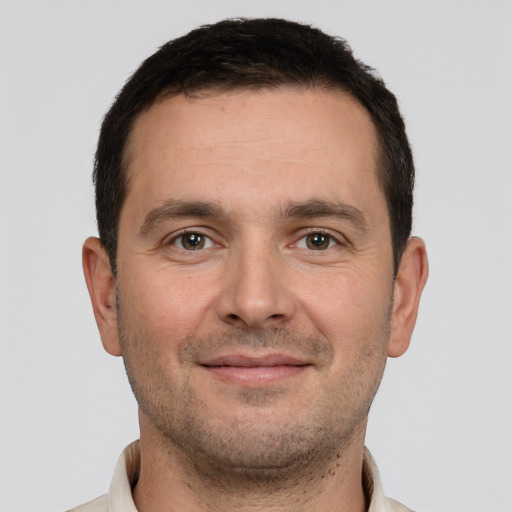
(255, 293)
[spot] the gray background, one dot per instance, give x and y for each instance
(441, 426)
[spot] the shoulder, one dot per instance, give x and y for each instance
(395, 506)
(97, 505)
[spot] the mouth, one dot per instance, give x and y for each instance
(254, 371)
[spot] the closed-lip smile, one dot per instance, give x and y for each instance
(254, 370)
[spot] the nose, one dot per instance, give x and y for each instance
(255, 294)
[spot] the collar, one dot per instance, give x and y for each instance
(126, 474)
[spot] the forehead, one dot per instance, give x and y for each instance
(273, 143)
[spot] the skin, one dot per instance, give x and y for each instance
(254, 354)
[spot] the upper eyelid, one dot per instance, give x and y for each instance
(172, 237)
(298, 234)
(200, 230)
(336, 235)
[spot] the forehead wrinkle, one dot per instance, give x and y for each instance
(238, 143)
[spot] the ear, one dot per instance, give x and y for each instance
(409, 283)
(101, 286)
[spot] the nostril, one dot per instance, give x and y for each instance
(239, 319)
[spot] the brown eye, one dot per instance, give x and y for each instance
(318, 241)
(191, 241)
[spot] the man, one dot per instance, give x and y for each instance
(254, 269)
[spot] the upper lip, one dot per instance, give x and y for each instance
(243, 360)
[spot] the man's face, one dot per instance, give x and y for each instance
(254, 278)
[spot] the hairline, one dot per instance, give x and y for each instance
(215, 90)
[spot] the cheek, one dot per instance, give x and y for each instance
(347, 306)
(167, 304)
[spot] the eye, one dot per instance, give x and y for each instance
(317, 241)
(192, 241)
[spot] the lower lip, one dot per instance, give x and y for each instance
(255, 375)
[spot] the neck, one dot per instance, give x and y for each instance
(171, 480)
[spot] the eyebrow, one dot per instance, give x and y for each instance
(172, 209)
(325, 208)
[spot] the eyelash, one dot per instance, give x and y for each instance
(188, 232)
(335, 239)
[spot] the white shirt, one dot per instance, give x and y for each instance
(119, 497)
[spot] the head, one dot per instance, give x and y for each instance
(254, 188)
(253, 54)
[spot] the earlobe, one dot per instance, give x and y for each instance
(409, 283)
(101, 286)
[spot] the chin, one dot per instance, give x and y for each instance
(258, 446)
